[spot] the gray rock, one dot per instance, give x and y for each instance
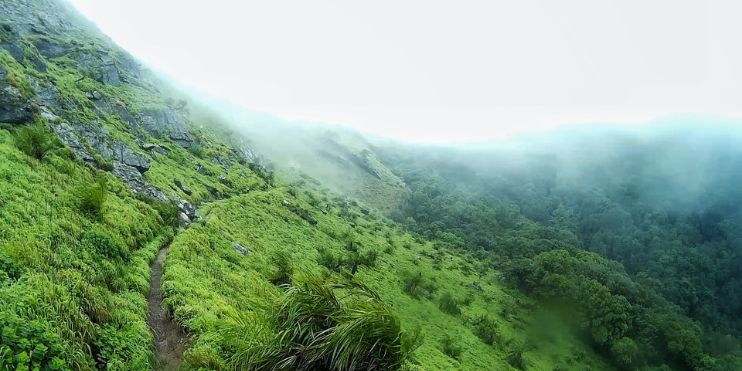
(183, 220)
(11, 43)
(151, 147)
(127, 156)
(165, 122)
(14, 109)
(188, 209)
(239, 248)
(46, 113)
(135, 181)
(51, 49)
(68, 137)
(94, 95)
(183, 138)
(46, 93)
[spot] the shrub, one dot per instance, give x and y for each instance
(515, 359)
(448, 304)
(284, 269)
(34, 140)
(29, 345)
(91, 198)
(486, 329)
(328, 260)
(416, 286)
(314, 328)
(9, 269)
(450, 348)
(168, 210)
(102, 243)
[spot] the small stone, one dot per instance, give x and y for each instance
(183, 220)
(94, 95)
(239, 248)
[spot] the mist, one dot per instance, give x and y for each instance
(443, 72)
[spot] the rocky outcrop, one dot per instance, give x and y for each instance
(50, 48)
(127, 164)
(14, 108)
(187, 214)
(68, 136)
(136, 182)
(183, 138)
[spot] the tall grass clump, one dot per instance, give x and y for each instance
(34, 140)
(92, 197)
(416, 285)
(448, 304)
(323, 325)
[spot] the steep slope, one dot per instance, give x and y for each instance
(340, 158)
(93, 160)
(100, 167)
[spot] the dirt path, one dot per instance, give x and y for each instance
(169, 337)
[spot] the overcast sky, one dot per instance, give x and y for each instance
(450, 70)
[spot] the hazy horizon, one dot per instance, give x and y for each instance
(443, 71)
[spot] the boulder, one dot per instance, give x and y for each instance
(154, 148)
(94, 95)
(14, 109)
(187, 209)
(239, 248)
(183, 220)
(135, 181)
(124, 154)
(183, 138)
(51, 49)
(69, 138)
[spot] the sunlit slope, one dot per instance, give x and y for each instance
(208, 280)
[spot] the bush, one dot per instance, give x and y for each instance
(9, 269)
(416, 286)
(34, 140)
(282, 275)
(312, 328)
(168, 210)
(29, 345)
(485, 329)
(515, 359)
(91, 198)
(450, 348)
(448, 304)
(104, 244)
(329, 260)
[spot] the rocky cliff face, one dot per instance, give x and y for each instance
(56, 68)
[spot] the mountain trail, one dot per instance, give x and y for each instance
(169, 338)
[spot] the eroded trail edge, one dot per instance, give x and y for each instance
(169, 338)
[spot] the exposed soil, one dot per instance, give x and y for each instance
(169, 337)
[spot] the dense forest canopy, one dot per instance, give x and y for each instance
(663, 201)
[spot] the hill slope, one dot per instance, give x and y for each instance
(101, 169)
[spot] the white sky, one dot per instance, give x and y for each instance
(449, 70)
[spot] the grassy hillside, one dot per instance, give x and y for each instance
(210, 285)
(101, 166)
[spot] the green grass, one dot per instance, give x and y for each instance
(77, 282)
(206, 282)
